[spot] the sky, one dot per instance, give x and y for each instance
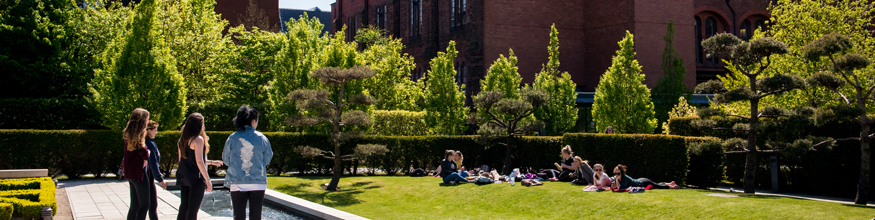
(324, 5)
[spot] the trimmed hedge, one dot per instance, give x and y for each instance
(77, 152)
(706, 161)
(800, 173)
(219, 117)
(28, 203)
(398, 123)
(661, 158)
(6, 210)
(54, 113)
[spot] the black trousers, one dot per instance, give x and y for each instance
(191, 197)
(656, 185)
(153, 198)
(140, 198)
(239, 199)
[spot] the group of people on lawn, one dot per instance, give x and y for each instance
(571, 169)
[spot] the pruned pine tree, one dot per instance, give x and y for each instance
(847, 68)
(327, 107)
(494, 103)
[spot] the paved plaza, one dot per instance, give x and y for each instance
(109, 199)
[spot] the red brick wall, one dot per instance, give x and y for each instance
(231, 10)
(524, 26)
(606, 24)
(650, 28)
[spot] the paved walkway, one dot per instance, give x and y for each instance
(109, 199)
(798, 196)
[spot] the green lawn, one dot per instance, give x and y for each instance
(425, 198)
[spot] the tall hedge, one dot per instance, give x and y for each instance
(51, 113)
(661, 158)
(398, 123)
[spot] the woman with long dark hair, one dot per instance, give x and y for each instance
(247, 152)
(135, 164)
(191, 175)
(623, 181)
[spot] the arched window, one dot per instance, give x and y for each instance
(415, 17)
(760, 25)
(710, 31)
(744, 31)
(698, 26)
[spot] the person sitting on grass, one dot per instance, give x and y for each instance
(623, 181)
(458, 161)
(565, 171)
(448, 170)
(583, 173)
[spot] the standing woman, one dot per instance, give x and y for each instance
(247, 152)
(154, 171)
(191, 173)
(135, 163)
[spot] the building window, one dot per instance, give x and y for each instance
(381, 17)
(744, 32)
(760, 25)
(461, 76)
(457, 13)
(415, 17)
(698, 26)
(350, 29)
(710, 30)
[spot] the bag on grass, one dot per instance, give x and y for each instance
(417, 173)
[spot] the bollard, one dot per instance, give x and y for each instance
(776, 169)
(47, 213)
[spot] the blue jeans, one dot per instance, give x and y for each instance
(463, 174)
(455, 177)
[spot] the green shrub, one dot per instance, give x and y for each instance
(54, 113)
(219, 116)
(398, 123)
(661, 158)
(706, 161)
(28, 203)
(6, 210)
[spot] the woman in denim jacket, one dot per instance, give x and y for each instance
(246, 153)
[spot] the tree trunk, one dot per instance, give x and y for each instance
(751, 159)
(338, 167)
(863, 185)
(508, 156)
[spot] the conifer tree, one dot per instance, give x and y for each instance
(558, 112)
(139, 72)
(671, 85)
(444, 99)
(622, 101)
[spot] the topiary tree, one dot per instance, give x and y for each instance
(847, 68)
(494, 103)
(444, 100)
(324, 106)
(671, 85)
(621, 99)
(558, 112)
(139, 72)
(751, 59)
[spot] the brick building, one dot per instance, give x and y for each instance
(588, 32)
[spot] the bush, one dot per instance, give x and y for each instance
(6, 210)
(51, 113)
(219, 116)
(657, 157)
(706, 161)
(398, 123)
(801, 173)
(28, 203)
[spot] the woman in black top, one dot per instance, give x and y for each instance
(566, 169)
(191, 174)
(449, 169)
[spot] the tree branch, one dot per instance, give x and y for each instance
(843, 96)
(835, 140)
(772, 93)
(869, 91)
(495, 118)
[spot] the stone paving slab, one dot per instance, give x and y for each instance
(110, 199)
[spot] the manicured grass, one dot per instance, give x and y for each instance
(425, 198)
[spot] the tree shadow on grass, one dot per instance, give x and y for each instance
(859, 206)
(346, 197)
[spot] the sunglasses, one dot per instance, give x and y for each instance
(616, 173)
(599, 170)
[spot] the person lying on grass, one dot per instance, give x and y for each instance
(448, 170)
(623, 181)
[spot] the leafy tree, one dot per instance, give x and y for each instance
(621, 100)
(682, 109)
(503, 109)
(35, 35)
(139, 71)
(444, 100)
(558, 111)
(392, 86)
(751, 59)
(253, 58)
(796, 23)
(333, 108)
(671, 85)
(300, 52)
(193, 32)
(848, 68)
(255, 17)
(495, 103)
